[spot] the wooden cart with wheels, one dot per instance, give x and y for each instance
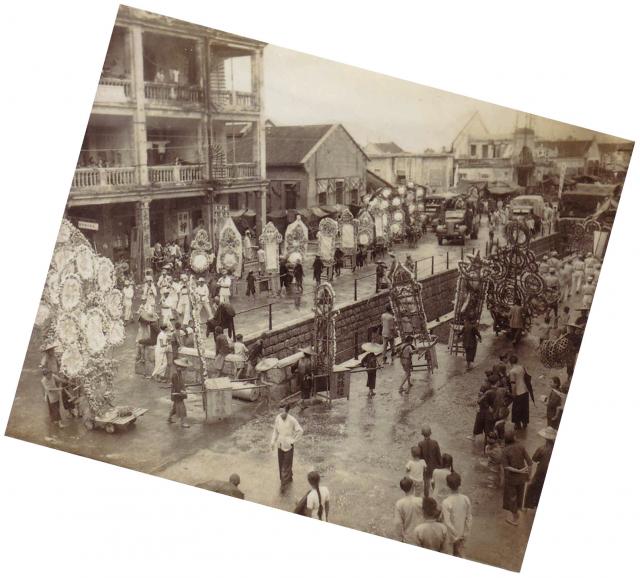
(115, 419)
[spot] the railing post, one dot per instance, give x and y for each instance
(102, 177)
(176, 173)
(270, 316)
(355, 289)
(432, 263)
(447, 260)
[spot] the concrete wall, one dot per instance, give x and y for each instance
(356, 321)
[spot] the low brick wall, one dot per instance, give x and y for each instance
(356, 321)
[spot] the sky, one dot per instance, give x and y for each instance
(304, 89)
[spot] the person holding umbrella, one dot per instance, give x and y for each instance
(370, 361)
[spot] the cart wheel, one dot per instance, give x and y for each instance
(109, 428)
(89, 424)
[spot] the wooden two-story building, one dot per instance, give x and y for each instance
(311, 166)
(156, 159)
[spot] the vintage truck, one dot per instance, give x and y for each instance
(458, 220)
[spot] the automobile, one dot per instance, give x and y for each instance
(525, 205)
(458, 220)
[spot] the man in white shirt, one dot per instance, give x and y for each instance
(286, 433)
(202, 293)
(408, 512)
(262, 260)
(456, 513)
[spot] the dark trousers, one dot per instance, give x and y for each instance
(285, 465)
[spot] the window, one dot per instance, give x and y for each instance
(485, 151)
(496, 151)
(339, 192)
(472, 150)
(234, 202)
(290, 195)
(322, 198)
(354, 197)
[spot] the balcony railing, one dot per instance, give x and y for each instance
(114, 90)
(176, 173)
(229, 100)
(103, 177)
(235, 172)
(172, 93)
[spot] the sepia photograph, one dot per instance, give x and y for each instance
(315, 300)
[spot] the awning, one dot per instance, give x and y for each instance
(236, 214)
(279, 214)
(304, 213)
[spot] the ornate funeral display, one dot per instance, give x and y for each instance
(514, 274)
(296, 238)
(81, 312)
(509, 274)
(590, 235)
(397, 215)
(348, 233)
(470, 292)
(220, 213)
(230, 248)
(366, 229)
(324, 335)
(201, 255)
(270, 240)
(409, 313)
(327, 234)
(249, 246)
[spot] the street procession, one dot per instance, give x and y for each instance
(287, 314)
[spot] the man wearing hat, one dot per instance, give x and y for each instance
(588, 291)
(51, 396)
(224, 283)
(286, 433)
(164, 280)
(149, 293)
(431, 533)
(178, 393)
(127, 300)
(541, 457)
(318, 267)
(202, 294)
(184, 303)
(578, 275)
(590, 265)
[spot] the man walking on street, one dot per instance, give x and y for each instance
(286, 433)
(408, 512)
(430, 453)
(456, 510)
(431, 533)
(388, 333)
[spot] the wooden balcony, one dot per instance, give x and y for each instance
(172, 174)
(103, 178)
(168, 93)
(114, 90)
(234, 101)
(235, 172)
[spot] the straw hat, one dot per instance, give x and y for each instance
(548, 433)
(306, 350)
(182, 362)
(49, 345)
